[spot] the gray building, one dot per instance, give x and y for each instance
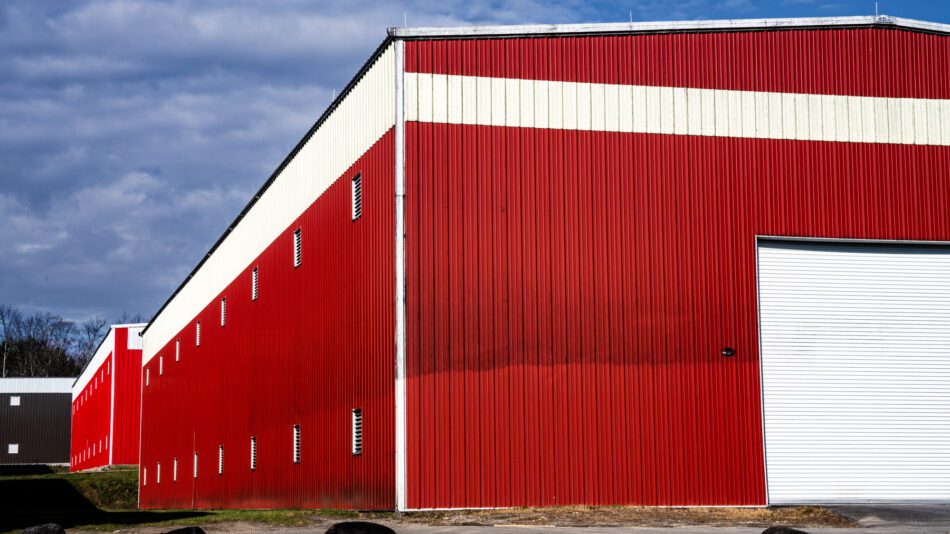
(35, 420)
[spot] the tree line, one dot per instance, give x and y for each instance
(45, 344)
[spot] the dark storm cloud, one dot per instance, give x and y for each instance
(131, 133)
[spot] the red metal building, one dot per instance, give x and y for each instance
(107, 402)
(535, 265)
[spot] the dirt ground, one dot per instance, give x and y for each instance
(574, 516)
(620, 516)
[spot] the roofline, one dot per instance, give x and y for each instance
(554, 29)
(530, 30)
(293, 153)
(103, 340)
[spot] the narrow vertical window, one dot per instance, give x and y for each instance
(253, 453)
(220, 459)
(146, 377)
(296, 444)
(224, 310)
(175, 469)
(297, 248)
(161, 365)
(357, 188)
(178, 349)
(357, 432)
(158, 473)
(254, 284)
(145, 476)
(198, 334)
(196, 465)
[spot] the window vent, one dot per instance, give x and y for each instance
(198, 334)
(13, 448)
(146, 377)
(15, 400)
(175, 469)
(224, 310)
(158, 473)
(254, 284)
(357, 432)
(253, 453)
(195, 474)
(177, 349)
(145, 476)
(161, 365)
(220, 459)
(296, 444)
(297, 247)
(357, 187)
(108, 366)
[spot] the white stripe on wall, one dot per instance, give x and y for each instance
(451, 99)
(36, 385)
(360, 120)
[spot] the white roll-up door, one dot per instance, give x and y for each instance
(855, 371)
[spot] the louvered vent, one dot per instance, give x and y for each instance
(357, 188)
(357, 432)
(177, 350)
(220, 459)
(253, 453)
(145, 476)
(224, 311)
(161, 365)
(196, 465)
(198, 334)
(297, 247)
(296, 444)
(175, 470)
(254, 284)
(158, 473)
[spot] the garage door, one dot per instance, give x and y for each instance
(855, 371)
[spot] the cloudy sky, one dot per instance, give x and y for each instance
(132, 132)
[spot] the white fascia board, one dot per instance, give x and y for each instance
(667, 27)
(106, 348)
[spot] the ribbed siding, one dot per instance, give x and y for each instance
(862, 62)
(856, 373)
(39, 426)
(317, 343)
(91, 412)
(127, 397)
(570, 291)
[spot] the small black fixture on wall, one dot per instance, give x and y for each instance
(728, 352)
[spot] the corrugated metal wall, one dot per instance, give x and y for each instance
(91, 409)
(317, 344)
(570, 291)
(127, 397)
(39, 427)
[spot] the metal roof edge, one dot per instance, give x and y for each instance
(883, 21)
(283, 164)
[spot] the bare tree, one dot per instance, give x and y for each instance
(90, 334)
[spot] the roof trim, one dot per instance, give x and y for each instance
(882, 21)
(293, 153)
(19, 385)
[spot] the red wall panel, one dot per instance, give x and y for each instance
(90, 422)
(316, 344)
(569, 294)
(128, 383)
(865, 62)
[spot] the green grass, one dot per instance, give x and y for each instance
(106, 501)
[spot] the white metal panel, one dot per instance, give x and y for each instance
(360, 119)
(667, 110)
(36, 385)
(105, 349)
(856, 371)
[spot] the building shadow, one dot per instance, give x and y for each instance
(24, 503)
